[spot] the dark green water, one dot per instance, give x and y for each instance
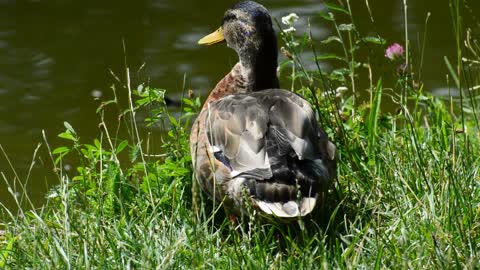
(55, 56)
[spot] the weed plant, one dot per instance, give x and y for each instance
(407, 194)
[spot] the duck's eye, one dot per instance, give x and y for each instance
(229, 17)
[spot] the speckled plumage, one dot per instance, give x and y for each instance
(253, 143)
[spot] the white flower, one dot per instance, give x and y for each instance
(290, 29)
(341, 90)
(290, 19)
(292, 44)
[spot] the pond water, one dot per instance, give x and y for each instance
(56, 57)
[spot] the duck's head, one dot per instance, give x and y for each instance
(247, 28)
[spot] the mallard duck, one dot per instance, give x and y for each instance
(253, 143)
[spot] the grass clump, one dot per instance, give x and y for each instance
(407, 193)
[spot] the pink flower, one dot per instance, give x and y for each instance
(395, 51)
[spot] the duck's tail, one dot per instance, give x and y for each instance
(294, 189)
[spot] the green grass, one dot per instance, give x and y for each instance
(407, 194)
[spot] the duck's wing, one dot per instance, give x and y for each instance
(271, 141)
(236, 126)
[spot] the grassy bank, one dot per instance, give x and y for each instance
(407, 193)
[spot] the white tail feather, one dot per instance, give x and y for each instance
(289, 209)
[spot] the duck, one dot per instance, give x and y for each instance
(254, 145)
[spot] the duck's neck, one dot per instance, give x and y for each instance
(255, 71)
(259, 67)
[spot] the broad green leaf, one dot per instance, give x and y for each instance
(173, 120)
(327, 16)
(336, 8)
(69, 127)
(97, 143)
(60, 150)
(121, 146)
(374, 40)
(67, 136)
(329, 56)
(332, 39)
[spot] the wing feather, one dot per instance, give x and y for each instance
(272, 136)
(239, 131)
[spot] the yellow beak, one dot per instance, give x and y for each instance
(212, 38)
